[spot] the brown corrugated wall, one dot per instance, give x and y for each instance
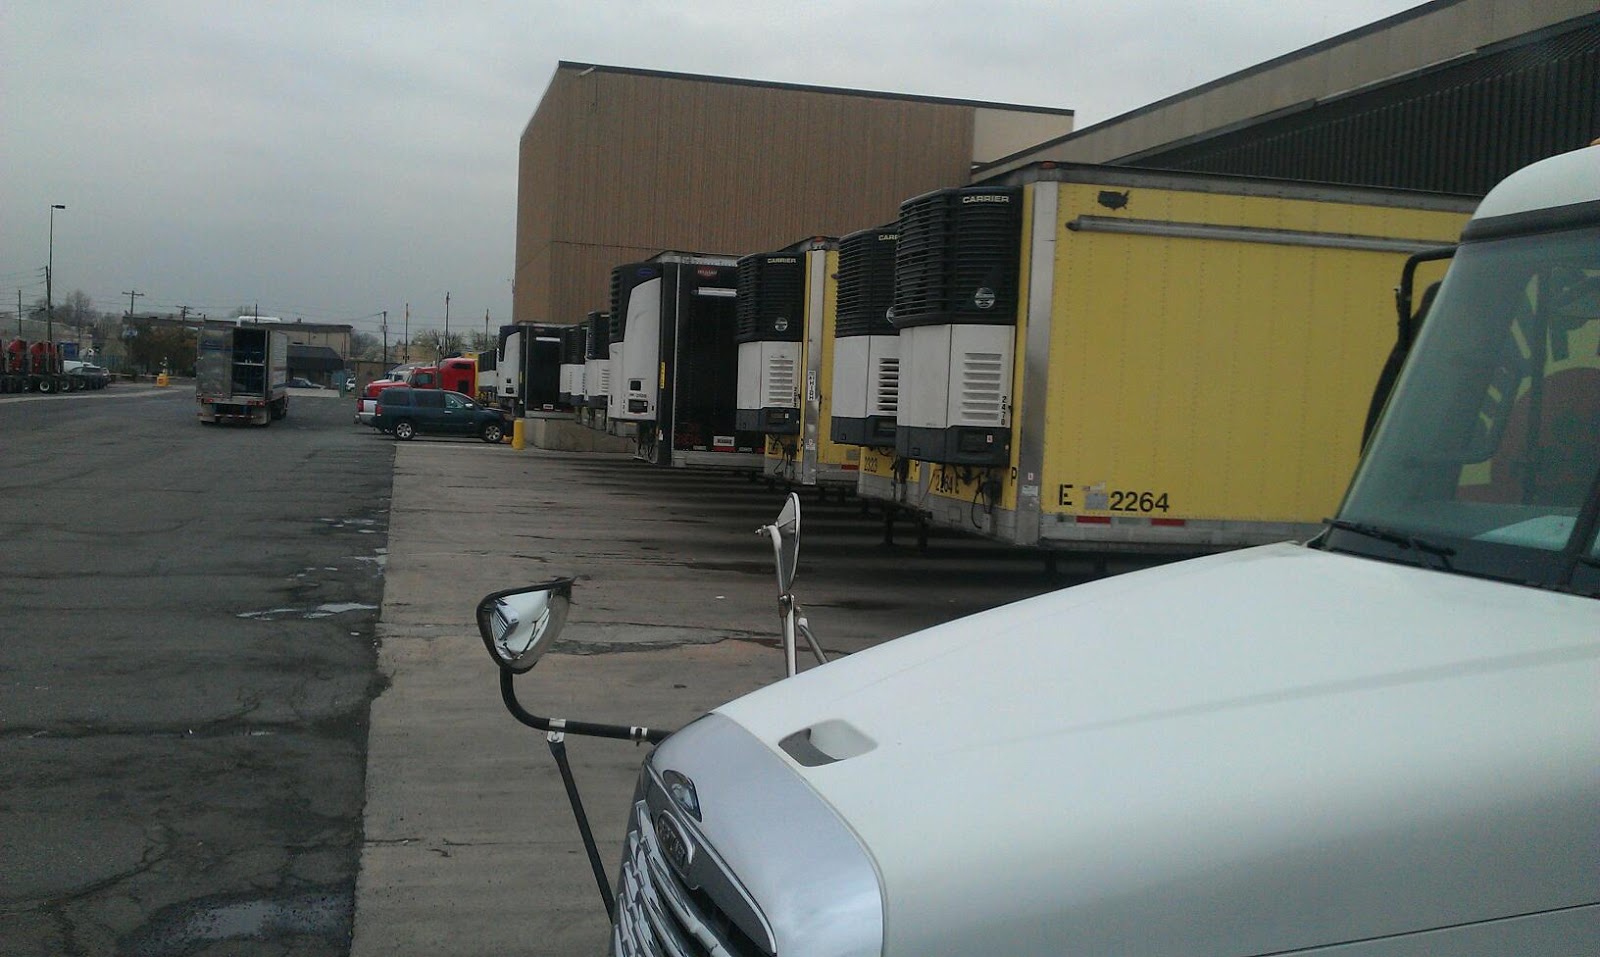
(616, 166)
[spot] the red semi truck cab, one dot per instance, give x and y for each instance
(453, 375)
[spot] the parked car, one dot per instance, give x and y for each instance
(298, 383)
(367, 401)
(406, 412)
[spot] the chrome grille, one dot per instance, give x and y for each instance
(657, 914)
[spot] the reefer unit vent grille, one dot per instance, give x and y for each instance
(866, 282)
(888, 383)
(598, 345)
(771, 298)
(623, 279)
(572, 346)
(956, 261)
(983, 381)
(781, 381)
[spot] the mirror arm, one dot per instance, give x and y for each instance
(508, 693)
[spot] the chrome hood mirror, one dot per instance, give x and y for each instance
(785, 534)
(518, 625)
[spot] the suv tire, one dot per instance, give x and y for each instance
(404, 430)
(493, 433)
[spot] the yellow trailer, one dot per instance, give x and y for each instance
(1187, 367)
(787, 303)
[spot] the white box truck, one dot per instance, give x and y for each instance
(241, 372)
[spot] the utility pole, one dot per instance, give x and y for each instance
(486, 329)
(50, 262)
(407, 347)
(444, 343)
(19, 313)
(386, 340)
(132, 295)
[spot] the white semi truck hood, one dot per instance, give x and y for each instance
(1252, 753)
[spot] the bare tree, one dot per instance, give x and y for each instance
(365, 345)
(433, 343)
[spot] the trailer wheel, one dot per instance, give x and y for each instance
(280, 409)
(47, 385)
(493, 434)
(404, 430)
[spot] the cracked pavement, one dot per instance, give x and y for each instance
(181, 780)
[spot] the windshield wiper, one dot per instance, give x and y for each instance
(1404, 541)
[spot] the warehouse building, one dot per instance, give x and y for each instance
(1449, 96)
(619, 164)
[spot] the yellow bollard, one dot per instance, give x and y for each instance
(516, 434)
(162, 381)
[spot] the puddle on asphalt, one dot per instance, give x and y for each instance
(193, 925)
(327, 610)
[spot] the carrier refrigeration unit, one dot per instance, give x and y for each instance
(1186, 365)
(955, 304)
(596, 370)
(677, 378)
(866, 345)
(572, 363)
(786, 350)
(771, 324)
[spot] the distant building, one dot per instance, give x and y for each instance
(618, 164)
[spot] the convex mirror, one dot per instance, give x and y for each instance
(518, 625)
(786, 543)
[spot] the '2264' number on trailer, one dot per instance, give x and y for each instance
(1117, 500)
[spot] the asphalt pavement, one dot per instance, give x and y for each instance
(470, 845)
(244, 709)
(187, 656)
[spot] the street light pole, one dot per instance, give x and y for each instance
(49, 269)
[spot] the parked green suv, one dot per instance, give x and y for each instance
(405, 413)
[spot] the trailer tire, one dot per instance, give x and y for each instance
(404, 430)
(280, 409)
(47, 385)
(493, 433)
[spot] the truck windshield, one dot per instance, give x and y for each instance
(1487, 459)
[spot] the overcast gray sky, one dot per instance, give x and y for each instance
(332, 160)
